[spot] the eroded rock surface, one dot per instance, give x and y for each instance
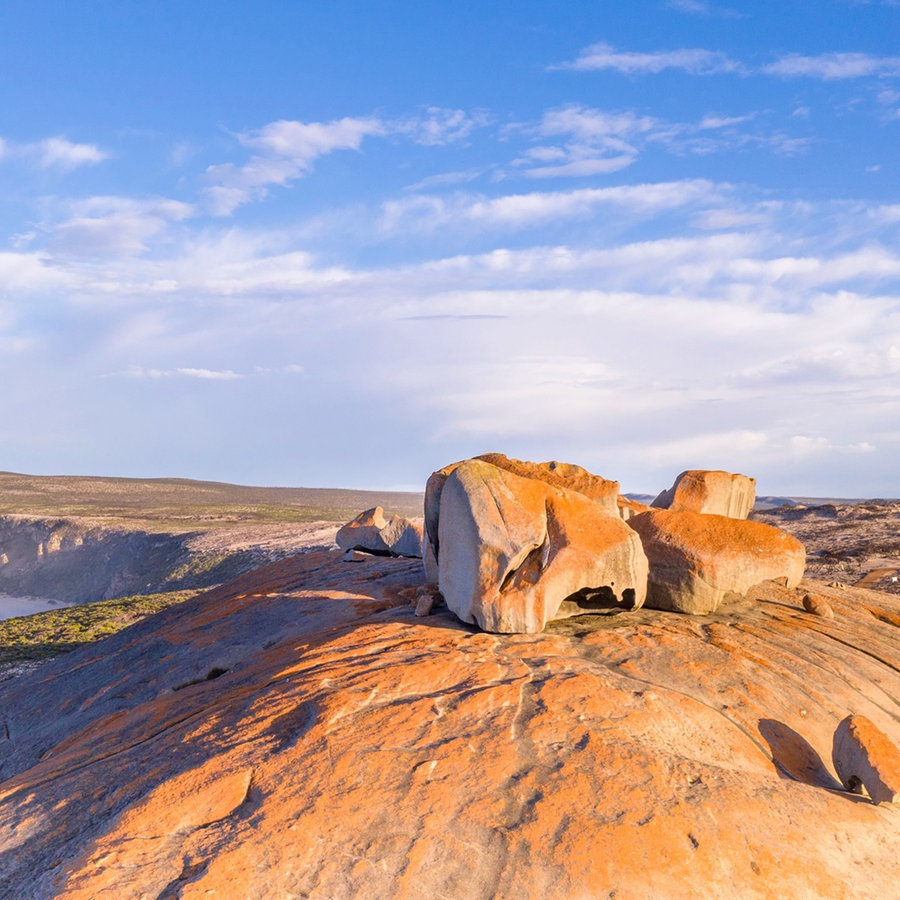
(300, 732)
(565, 476)
(374, 532)
(714, 492)
(513, 548)
(696, 559)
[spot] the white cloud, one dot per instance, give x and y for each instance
(285, 151)
(695, 61)
(445, 178)
(30, 273)
(60, 153)
(534, 209)
(599, 142)
(202, 374)
(698, 8)
(438, 126)
(722, 121)
(114, 226)
(834, 66)
(54, 153)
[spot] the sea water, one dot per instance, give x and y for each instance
(11, 606)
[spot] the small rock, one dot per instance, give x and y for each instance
(864, 756)
(354, 556)
(837, 584)
(817, 606)
(424, 605)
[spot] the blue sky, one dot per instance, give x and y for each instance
(345, 243)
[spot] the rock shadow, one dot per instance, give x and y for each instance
(794, 756)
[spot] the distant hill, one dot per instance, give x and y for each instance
(181, 504)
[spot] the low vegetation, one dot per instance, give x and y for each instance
(179, 505)
(48, 634)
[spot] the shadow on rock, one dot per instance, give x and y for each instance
(795, 757)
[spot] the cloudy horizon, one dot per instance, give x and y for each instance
(342, 248)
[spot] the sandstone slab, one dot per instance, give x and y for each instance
(714, 492)
(511, 549)
(696, 559)
(373, 532)
(351, 749)
(864, 756)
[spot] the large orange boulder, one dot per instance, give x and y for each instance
(715, 492)
(566, 476)
(698, 559)
(511, 549)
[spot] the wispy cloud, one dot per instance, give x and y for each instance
(599, 142)
(114, 226)
(700, 8)
(535, 209)
(284, 151)
(202, 374)
(438, 126)
(53, 153)
(603, 56)
(834, 66)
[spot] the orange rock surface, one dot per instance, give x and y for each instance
(697, 559)
(300, 732)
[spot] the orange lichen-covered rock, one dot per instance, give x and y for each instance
(511, 549)
(374, 532)
(346, 748)
(697, 559)
(715, 492)
(565, 476)
(863, 755)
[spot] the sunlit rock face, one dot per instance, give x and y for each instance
(715, 492)
(696, 559)
(511, 547)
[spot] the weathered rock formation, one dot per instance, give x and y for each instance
(300, 732)
(865, 757)
(374, 532)
(715, 492)
(513, 545)
(697, 559)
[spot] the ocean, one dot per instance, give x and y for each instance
(11, 606)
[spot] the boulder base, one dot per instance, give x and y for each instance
(696, 559)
